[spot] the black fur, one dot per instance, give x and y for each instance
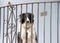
(23, 17)
(19, 38)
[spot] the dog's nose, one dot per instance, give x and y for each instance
(27, 21)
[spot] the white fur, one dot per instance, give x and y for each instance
(23, 33)
(27, 19)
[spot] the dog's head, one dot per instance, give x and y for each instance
(27, 19)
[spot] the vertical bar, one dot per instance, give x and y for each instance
(3, 23)
(26, 24)
(51, 23)
(11, 24)
(0, 21)
(57, 22)
(26, 7)
(16, 26)
(32, 8)
(32, 26)
(20, 26)
(38, 23)
(44, 23)
(7, 24)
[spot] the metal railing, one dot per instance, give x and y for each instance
(9, 20)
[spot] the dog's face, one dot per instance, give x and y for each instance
(27, 19)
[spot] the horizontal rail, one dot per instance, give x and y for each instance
(31, 3)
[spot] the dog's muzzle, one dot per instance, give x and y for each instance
(27, 22)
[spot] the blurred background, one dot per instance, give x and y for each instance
(41, 18)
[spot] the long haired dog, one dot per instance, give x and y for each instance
(28, 34)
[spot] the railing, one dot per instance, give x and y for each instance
(9, 18)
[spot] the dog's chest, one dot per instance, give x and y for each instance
(29, 33)
(23, 33)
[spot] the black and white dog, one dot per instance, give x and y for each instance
(27, 26)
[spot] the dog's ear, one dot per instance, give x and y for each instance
(33, 15)
(20, 16)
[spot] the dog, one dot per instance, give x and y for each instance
(28, 34)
